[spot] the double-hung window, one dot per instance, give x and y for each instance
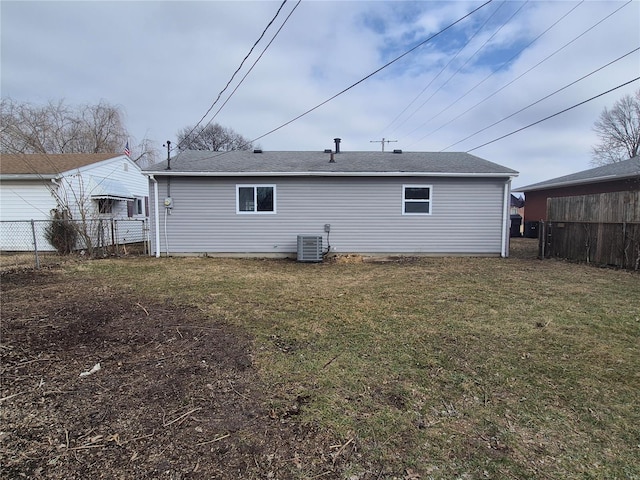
(255, 198)
(138, 206)
(416, 199)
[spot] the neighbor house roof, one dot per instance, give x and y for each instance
(606, 173)
(517, 202)
(266, 163)
(49, 165)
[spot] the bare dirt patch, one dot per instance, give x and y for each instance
(176, 395)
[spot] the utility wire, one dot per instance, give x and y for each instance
(254, 64)
(218, 154)
(542, 99)
(554, 115)
(495, 71)
(525, 72)
(234, 73)
(374, 72)
(442, 70)
(462, 66)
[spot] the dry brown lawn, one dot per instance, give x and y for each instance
(244, 368)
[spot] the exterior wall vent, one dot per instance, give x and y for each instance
(310, 248)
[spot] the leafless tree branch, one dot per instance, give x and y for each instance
(213, 137)
(618, 130)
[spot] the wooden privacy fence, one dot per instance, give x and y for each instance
(603, 229)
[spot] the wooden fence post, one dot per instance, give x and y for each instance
(541, 239)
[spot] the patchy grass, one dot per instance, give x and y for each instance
(433, 367)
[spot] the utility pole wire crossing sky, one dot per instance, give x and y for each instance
(383, 141)
(375, 71)
(554, 115)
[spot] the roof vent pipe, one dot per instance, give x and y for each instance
(337, 140)
(332, 158)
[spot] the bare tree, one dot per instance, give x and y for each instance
(144, 153)
(102, 128)
(59, 128)
(619, 131)
(213, 137)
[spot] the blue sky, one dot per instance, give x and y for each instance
(164, 63)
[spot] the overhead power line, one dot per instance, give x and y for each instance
(506, 22)
(236, 72)
(526, 71)
(543, 98)
(254, 63)
(504, 64)
(374, 72)
(442, 70)
(554, 115)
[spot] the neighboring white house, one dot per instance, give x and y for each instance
(88, 186)
(276, 203)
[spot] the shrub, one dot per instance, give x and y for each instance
(61, 233)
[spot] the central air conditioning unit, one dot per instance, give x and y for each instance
(309, 248)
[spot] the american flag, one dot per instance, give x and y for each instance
(127, 152)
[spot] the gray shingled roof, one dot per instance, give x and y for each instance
(614, 171)
(317, 163)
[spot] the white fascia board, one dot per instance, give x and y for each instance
(28, 176)
(170, 173)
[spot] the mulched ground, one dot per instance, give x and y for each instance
(175, 397)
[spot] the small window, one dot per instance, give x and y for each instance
(256, 199)
(416, 199)
(135, 207)
(105, 205)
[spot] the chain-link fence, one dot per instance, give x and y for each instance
(42, 242)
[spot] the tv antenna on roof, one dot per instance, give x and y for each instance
(383, 141)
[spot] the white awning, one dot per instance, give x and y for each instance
(112, 189)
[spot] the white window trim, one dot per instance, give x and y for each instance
(430, 201)
(255, 187)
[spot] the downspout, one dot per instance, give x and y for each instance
(504, 247)
(55, 193)
(156, 214)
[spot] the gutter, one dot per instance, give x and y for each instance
(156, 214)
(27, 176)
(173, 173)
(569, 183)
(504, 245)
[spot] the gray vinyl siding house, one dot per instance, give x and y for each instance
(246, 203)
